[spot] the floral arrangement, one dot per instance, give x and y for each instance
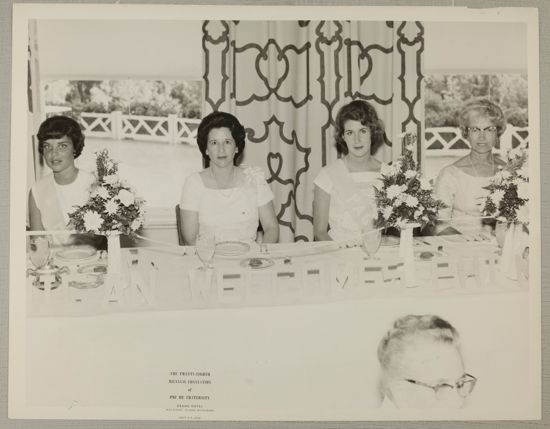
(509, 189)
(112, 206)
(405, 196)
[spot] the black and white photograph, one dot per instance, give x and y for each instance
(272, 213)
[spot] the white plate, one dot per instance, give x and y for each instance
(456, 238)
(232, 248)
(257, 263)
(76, 254)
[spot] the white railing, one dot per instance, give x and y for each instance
(117, 126)
(438, 141)
(448, 141)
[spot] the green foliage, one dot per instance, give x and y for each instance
(445, 95)
(509, 190)
(134, 97)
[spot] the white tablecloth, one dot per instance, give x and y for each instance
(295, 356)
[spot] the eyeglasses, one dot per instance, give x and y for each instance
(464, 386)
(477, 131)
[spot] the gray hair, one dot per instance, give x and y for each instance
(413, 326)
(482, 107)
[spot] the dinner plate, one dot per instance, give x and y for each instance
(232, 248)
(76, 254)
(257, 263)
(456, 238)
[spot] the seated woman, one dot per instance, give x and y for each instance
(53, 197)
(226, 200)
(343, 203)
(461, 185)
(422, 365)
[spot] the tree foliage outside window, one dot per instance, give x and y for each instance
(132, 97)
(445, 95)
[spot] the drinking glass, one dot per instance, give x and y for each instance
(205, 245)
(39, 250)
(371, 241)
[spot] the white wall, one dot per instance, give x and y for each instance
(475, 47)
(114, 49)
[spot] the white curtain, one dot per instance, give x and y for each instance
(286, 80)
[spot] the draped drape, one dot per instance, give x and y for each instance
(286, 80)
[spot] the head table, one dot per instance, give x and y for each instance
(295, 340)
(168, 278)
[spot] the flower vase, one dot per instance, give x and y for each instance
(516, 239)
(113, 281)
(406, 251)
(500, 233)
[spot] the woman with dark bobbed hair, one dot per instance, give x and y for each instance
(343, 204)
(226, 200)
(53, 197)
(422, 365)
(462, 185)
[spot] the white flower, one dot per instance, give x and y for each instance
(410, 147)
(388, 210)
(524, 170)
(502, 175)
(409, 174)
(515, 153)
(136, 224)
(111, 207)
(125, 197)
(92, 221)
(496, 196)
(111, 179)
(393, 191)
(397, 202)
(522, 214)
(411, 201)
(254, 175)
(425, 184)
(523, 190)
(387, 170)
(101, 192)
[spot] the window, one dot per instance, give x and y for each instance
(444, 96)
(149, 126)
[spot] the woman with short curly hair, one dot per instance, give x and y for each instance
(226, 200)
(53, 197)
(422, 365)
(462, 184)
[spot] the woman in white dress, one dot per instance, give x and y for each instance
(53, 197)
(344, 204)
(226, 200)
(461, 185)
(422, 365)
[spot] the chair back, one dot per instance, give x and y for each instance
(179, 225)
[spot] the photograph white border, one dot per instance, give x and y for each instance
(24, 12)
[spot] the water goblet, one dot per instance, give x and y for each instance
(40, 251)
(205, 245)
(371, 241)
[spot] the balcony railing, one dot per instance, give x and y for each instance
(448, 141)
(117, 126)
(440, 141)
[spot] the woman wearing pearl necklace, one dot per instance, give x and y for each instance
(461, 185)
(226, 200)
